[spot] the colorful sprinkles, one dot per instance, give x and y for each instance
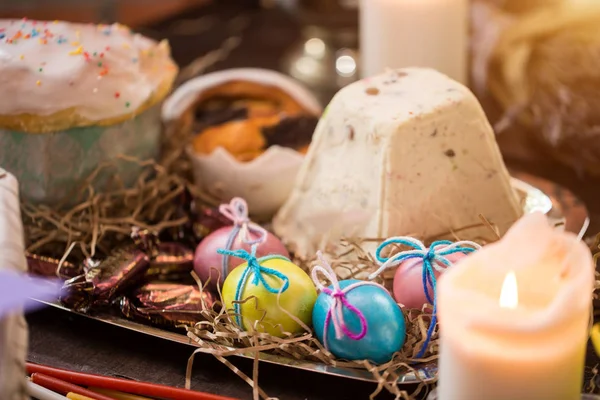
(43, 34)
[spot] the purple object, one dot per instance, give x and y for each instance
(16, 289)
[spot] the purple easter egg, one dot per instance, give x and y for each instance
(408, 282)
(208, 263)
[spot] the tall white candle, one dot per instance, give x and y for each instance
(414, 33)
(520, 336)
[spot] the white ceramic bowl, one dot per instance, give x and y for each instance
(265, 182)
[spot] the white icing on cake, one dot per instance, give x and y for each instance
(100, 71)
(409, 152)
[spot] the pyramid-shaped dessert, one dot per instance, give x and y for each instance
(408, 152)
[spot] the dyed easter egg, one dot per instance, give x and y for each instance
(408, 281)
(298, 299)
(209, 264)
(385, 325)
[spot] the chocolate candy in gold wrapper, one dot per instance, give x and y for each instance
(167, 304)
(104, 281)
(48, 266)
(77, 294)
(173, 262)
(117, 273)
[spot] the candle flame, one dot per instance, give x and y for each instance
(509, 295)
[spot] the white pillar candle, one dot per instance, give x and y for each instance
(414, 33)
(514, 317)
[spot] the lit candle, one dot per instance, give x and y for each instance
(414, 33)
(515, 316)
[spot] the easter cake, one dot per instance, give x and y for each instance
(77, 95)
(408, 152)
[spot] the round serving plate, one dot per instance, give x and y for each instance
(537, 195)
(561, 206)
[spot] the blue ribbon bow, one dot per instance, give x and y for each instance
(254, 267)
(433, 258)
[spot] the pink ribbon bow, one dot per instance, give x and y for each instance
(335, 313)
(237, 212)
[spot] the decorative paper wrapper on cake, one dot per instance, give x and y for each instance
(54, 165)
(250, 128)
(81, 95)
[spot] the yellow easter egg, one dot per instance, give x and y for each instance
(298, 299)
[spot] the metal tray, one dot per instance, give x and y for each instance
(561, 206)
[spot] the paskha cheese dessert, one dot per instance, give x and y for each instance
(408, 152)
(76, 95)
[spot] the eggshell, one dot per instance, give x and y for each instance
(265, 182)
(298, 299)
(207, 262)
(408, 282)
(386, 328)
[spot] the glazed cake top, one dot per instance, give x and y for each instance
(97, 72)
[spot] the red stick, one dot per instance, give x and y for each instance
(62, 387)
(122, 385)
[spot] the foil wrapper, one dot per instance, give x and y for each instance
(173, 262)
(49, 267)
(116, 273)
(76, 294)
(167, 304)
(103, 282)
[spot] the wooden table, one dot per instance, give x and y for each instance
(73, 342)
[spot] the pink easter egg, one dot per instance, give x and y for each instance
(408, 282)
(208, 263)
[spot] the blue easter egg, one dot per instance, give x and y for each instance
(386, 328)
